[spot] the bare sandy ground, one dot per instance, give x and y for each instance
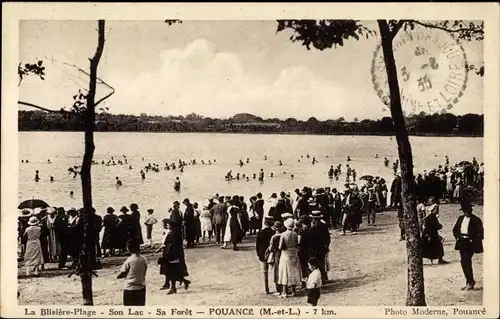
(368, 268)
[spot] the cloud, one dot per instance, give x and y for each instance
(201, 79)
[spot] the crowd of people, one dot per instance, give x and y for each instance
(292, 235)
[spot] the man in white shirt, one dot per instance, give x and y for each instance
(469, 233)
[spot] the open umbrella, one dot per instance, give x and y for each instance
(32, 204)
(366, 178)
(464, 163)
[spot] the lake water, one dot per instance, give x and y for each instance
(199, 182)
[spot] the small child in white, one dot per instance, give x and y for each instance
(314, 282)
(149, 222)
(134, 271)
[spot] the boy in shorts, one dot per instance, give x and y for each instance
(314, 282)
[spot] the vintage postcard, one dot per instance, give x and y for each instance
(250, 160)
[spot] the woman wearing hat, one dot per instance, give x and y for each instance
(109, 240)
(172, 263)
(432, 244)
(135, 219)
(123, 231)
(275, 254)
(22, 224)
(33, 255)
(290, 274)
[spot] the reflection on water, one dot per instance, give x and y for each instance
(202, 181)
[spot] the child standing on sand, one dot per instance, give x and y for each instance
(149, 222)
(314, 282)
(134, 271)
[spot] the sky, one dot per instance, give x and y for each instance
(212, 68)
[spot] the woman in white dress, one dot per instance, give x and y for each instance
(206, 224)
(289, 265)
(33, 255)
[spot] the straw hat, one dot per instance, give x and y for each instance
(289, 223)
(124, 209)
(316, 214)
(110, 210)
(286, 215)
(25, 213)
(33, 221)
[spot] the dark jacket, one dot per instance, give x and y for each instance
(476, 234)
(262, 242)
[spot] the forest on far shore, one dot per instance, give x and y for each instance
(420, 124)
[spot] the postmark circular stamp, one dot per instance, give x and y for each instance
(432, 71)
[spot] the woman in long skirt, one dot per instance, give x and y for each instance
(109, 239)
(172, 263)
(275, 254)
(432, 242)
(289, 265)
(33, 255)
(54, 246)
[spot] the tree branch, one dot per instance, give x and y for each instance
(43, 108)
(433, 26)
(397, 27)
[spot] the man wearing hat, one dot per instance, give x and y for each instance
(469, 234)
(61, 229)
(262, 243)
(189, 224)
(220, 218)
(319, 242)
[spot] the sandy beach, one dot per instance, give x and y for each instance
(367, 268)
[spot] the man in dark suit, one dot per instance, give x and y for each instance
(469, 233)
(320, 242)
(396, 191)
(262, 243)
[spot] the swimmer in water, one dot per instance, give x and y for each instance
(118, 181)
(291, 176)
(280, 163)
(265, 157)
(48, 161)
(51, 178)
(271, 175)
(177, 184)
(71, 194)
(37, 176)
(348, 158)
(143, 175)
(261, 175)
(248, 160)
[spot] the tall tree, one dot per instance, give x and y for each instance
(325, 34)
(84, 108)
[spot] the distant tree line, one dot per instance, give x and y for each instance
(419, 124)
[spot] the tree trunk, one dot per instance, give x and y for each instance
(88, 255)
(415, 293)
